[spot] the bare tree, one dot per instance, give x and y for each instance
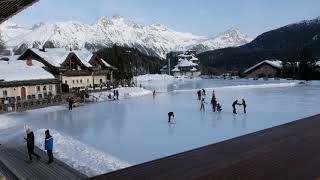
(2, 45)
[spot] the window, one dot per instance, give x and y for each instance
(87, 80)
(45, 95)
(50, 88)
(18, 98)
(38, 88)
(73, 81)
(5, 93)
(50, 93)
(44, 88)
(100, 81)
(77, 81)
(33, 96)
(81, 81)
(39, 96)
(66, 82)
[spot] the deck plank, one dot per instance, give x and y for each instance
(290, 151)
(15, 160)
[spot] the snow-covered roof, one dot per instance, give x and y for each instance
(186, 63)
(18, 70)
(194, 59)
(85, 56)
(317, 63)
(274, 63)
(184, 56)
(9, 58)
(194, 69)
(175, 69)
(56, 56)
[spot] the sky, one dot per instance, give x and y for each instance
(200, 17)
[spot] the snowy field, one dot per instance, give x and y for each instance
(106, 136)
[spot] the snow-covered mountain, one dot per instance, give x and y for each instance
(155, 39)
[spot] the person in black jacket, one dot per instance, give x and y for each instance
(244, 104)
(117, 94)
(70, 100)
(234, 106)
(30, 145)
(170, 114)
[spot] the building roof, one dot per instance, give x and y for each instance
(194, 59)
(175, 69)
(194, 69)
(9, 8)
(186, 63)
(56, 56)
(274, 63)
(15, 70)
(317, 63)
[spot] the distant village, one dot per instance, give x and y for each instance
(47, 76)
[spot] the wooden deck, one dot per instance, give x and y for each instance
(290, 151)
(13, 166)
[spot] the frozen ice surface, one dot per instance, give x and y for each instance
(135, 130)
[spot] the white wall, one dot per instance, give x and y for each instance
(30, 90)
(77, 81)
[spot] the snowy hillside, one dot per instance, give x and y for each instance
(155, 39)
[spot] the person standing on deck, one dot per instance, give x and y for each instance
(30, 145)
(199, 95)
(117, 94)
(48, 145)
(234, 106)
(244, 104)
(202, 104)
(170, 114)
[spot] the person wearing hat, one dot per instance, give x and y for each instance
(30, 144)
(48, 145)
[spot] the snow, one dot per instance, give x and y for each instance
(124, 93)
(80, 156)
(57, 56)
(186, 63)
(275, 63)
(154, 77)
(18, 70)
(101, 137)
(154, 39)
(318, 64)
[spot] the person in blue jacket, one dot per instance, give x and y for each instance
(49, 146)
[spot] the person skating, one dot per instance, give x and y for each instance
(154, 93)
(219, 107)
(244, 104)
(214, 103)
(203, 92)
(30, 145)
(202, 104)
(114, 94)
(70, 101)
(199, 95)
(170, 114)
(48, 145)
(117, 94)
(234, 106)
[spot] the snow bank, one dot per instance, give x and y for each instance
(81, 157)
(256, 86)
(124, 93)
(154, 77)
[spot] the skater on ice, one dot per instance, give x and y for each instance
(170, 115)
(234, 106)
(154, 93)
(219, 107)
(117, 94)
(244, 104)
(203, 92)
(214, 103)
(70, 101)
(199, 95)
(48, 145)
(202, 104)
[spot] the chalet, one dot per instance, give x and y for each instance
(266, 68)
(25, 80)
(186, 67)
(75, 69)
